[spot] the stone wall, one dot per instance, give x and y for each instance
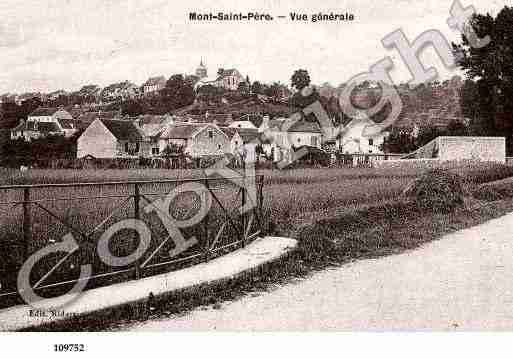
(487, 149)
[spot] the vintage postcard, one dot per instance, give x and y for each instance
(255, 166)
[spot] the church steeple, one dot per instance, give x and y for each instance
(201, 71)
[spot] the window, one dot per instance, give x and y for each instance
(210, 134)
(298, 140)
(155, 151)
(371, 142)
(314, 141)
(126, 147)
(218, 147)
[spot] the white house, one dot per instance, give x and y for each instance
(285, 134)
(197, 139)
(44, 122)
(357, 137)
(154, 84)
(110, 139)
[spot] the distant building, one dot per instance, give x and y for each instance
(228, 79)
(154, 84)
(353, 138)
(285, 134)
(196, 139)
(201, 71)
(44, 122)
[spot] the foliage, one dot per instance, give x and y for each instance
(490, 98)
(19, 152)
(172, 149)
(300, 79)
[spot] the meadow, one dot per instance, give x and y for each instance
(292, 201)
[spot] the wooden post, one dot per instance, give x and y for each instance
(205, 224)
(261, 200)
(137, 215)
(243, 189)
(27, 223)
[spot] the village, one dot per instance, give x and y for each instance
(224, 113)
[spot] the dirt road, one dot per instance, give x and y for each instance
(463, 281)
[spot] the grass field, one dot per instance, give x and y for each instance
(293, 200)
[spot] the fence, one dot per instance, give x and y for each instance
(33, 217)
(364, 159)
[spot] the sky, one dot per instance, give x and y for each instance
(46, 45)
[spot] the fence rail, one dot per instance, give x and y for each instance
(33, 217)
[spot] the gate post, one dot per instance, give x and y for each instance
(137, 215)
(27, 223)
(261, 201)
(205, 224)
(243, 189)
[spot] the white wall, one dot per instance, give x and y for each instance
(97, 141)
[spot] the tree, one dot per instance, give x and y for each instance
(172, 149)
(257, 87)
(300, 79)
(399, 141)
(490, 67)
(177, 93)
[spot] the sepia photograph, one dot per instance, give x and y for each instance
(336, 166)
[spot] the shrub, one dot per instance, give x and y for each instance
(437, 190)
(487, 193)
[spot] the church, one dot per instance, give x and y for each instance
(227, 79)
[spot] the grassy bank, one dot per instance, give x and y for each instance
(374, 231)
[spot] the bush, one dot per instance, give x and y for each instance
(487, 193)
(437, 191)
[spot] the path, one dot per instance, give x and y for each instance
(463, 281)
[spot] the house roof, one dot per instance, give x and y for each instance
(229, 72)
(69, 124)
(44, 111)
(299, 126)
(305, 126)
(89, 117)
(155, 80)
(229, 131)
(123, 130)
(247, 134)
(181, 131)
(152, 125)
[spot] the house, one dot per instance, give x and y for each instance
(230, 79)
(197, 139)
(86, 118)
(354, 139)
(154, 84)
(285, 134)
(240, 136)
(227, 79)
(43, 122)
(111, 139)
